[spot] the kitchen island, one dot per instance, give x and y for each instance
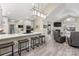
(4, 38)
(9, 36)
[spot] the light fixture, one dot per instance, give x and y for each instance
(42, 15)
(69, 19)
(35, 12)
(33, 4)
(38, 13)
(12, 20)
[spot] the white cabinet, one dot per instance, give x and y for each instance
(0, 17)
(5, 24)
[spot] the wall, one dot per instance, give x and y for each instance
(0, 16)
(74, 22)
(65, 10)
(77, 24)
(38, 24)
(17, 11)
(24, 23)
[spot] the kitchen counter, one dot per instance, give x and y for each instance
(8, 36)
(4, 38)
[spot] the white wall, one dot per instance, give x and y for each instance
(0, 16)
(17, 12)
(63, 11)
(77, 24)
(38, 24)
(24, 23)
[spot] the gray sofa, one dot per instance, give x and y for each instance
(58, 38)
(74, 39)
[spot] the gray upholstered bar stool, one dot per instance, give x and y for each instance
(21, 48)
(34, 42)
(7, 45)
(42, 39)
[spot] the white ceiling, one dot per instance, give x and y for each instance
(16, 11)
(20, 11)
(64, 10)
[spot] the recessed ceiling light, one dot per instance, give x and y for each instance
(69, 19)
(35, 12)
(44, 16)
(38, 14)
(33, 4)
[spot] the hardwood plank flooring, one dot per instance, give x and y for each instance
(52, 48)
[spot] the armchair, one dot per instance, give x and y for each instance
(58, 37)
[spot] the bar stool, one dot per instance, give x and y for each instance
(42, 39)
(7, 45)
(34, 42)
(20, 48)
(37, 41)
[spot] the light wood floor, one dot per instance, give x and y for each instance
(52, 48)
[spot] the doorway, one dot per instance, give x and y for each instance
(12, 29)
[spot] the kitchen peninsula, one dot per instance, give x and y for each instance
(4, 38)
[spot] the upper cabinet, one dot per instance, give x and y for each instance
(5, 24)
(0, 17)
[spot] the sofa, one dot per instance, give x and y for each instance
(74, 39)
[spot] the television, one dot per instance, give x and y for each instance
(57, 24)
(20, 26)
(28, 29)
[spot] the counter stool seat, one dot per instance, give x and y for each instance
(20, 48)
(6, 45)
(23, 41)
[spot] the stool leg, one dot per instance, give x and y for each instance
(28, 46)
(19, 49)
(40, 41)
(37, 42)
(12, 50)
(31, 43)
(44, 40)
